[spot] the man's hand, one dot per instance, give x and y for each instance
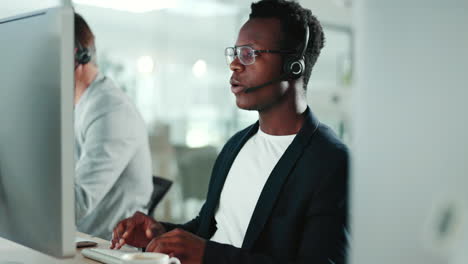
(185, 246)
(136, 231)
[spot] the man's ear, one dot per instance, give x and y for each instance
(79, 69)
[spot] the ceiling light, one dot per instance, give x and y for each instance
(199, 68)
(136, 6)
(145, 64)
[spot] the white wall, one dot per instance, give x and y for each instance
(410, 163)
(329, 11)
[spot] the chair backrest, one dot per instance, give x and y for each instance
(160, 187)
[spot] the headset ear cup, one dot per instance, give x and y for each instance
(82, 56)
(86, 58)
(294, 67)
(297, 68)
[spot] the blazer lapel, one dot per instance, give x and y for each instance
(220, 177)
(276, 179)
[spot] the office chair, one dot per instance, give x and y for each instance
(160, 187)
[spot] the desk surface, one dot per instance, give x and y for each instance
(13, 253)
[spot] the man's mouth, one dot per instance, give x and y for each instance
(236, 86)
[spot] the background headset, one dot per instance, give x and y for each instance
(82, 55)
(293, 66)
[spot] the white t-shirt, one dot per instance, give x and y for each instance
(244, 183)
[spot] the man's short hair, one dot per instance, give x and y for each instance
(294, 20)
(84, 36)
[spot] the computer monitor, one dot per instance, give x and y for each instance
(36, 130)
(410, 154)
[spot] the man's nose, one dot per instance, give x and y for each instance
(236, 65)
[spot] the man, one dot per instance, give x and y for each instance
(278, 191)
(113, 164)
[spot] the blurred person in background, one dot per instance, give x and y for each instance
(113, 175)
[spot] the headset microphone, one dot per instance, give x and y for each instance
(254, 88)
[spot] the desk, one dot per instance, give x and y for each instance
(13, 253)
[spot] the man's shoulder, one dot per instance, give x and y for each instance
(106, 97)
(327, 144)
(107, 94)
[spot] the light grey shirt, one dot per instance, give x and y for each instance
(113, 176)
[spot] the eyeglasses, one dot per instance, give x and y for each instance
(247, 54)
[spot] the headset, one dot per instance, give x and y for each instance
(82, 55)
(293, 66)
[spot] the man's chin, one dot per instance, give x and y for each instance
(246, 106)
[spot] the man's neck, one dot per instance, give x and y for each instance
(286, 118)
(90, 73)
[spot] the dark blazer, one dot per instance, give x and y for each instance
(301, 214)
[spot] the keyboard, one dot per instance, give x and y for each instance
(108, 256)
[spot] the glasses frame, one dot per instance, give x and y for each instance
(255, 52)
